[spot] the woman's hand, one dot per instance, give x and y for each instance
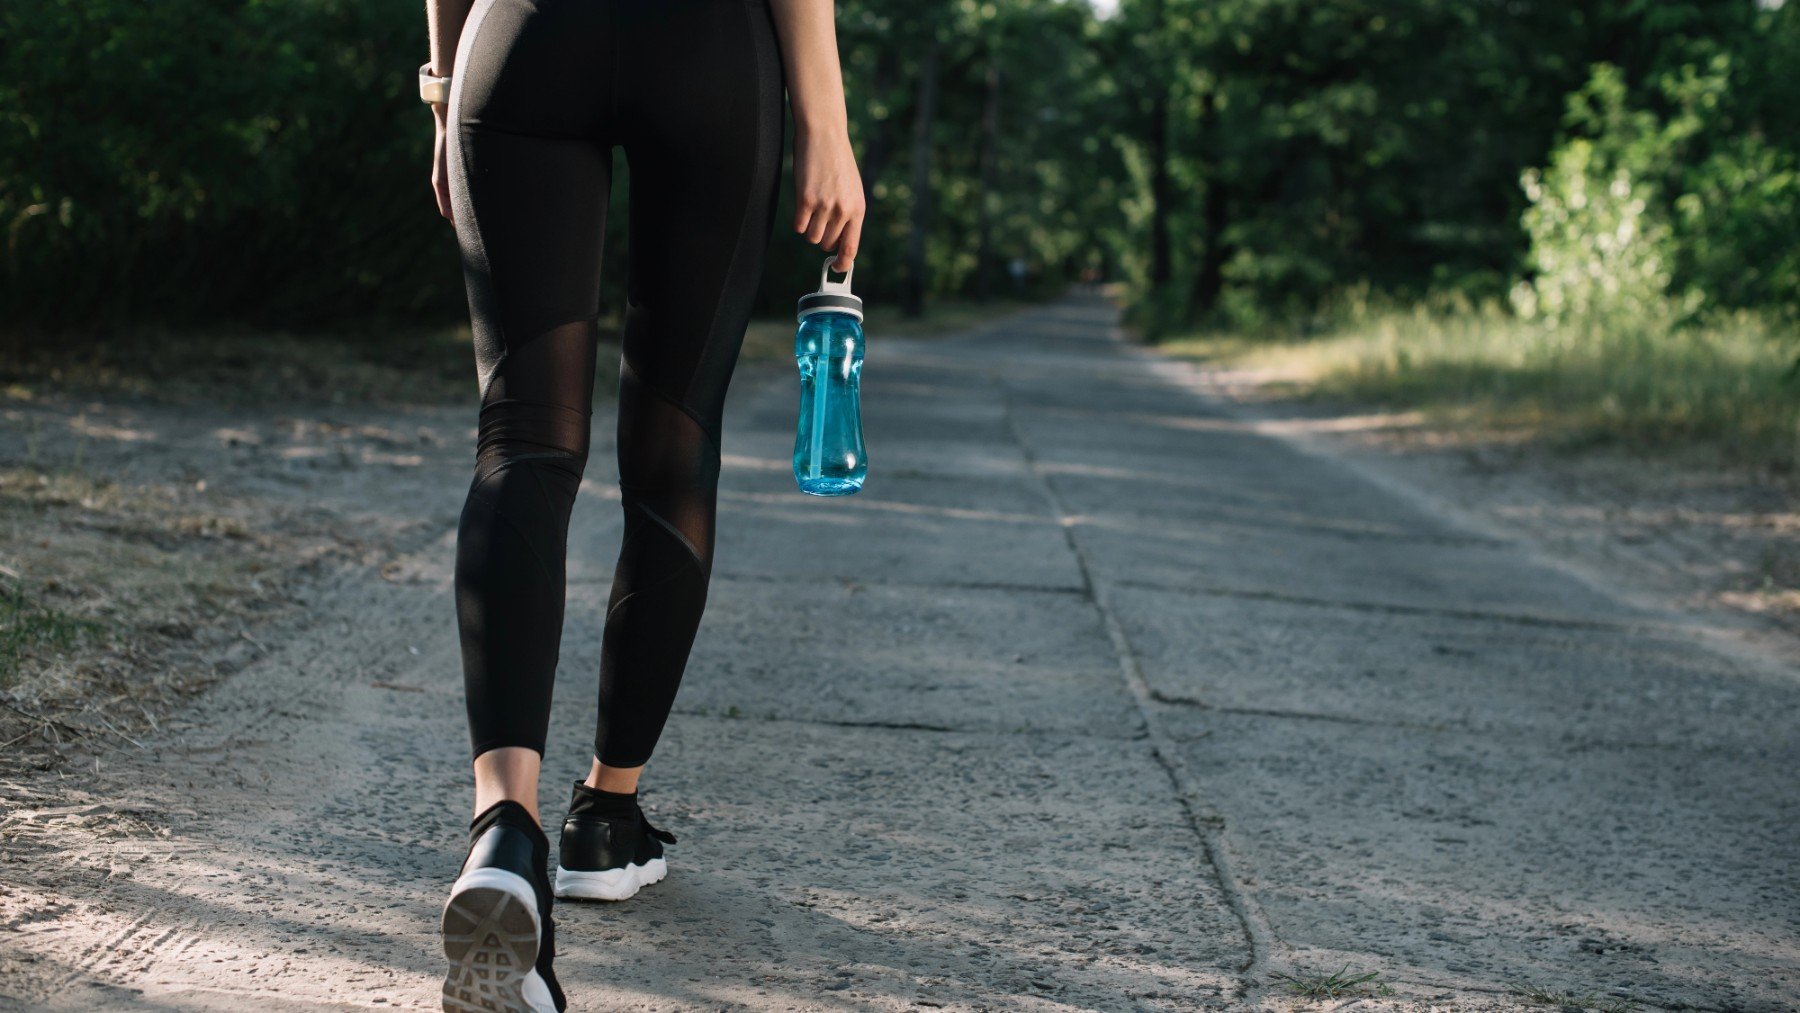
(828, 193)
(440, 166)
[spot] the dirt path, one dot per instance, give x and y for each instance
(1104, 695)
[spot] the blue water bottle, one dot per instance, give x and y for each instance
(829, 457)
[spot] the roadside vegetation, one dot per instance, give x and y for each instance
(1654, 300)
(28, 630)
(247, 367)
(1567, 999)
(1333, 984)
(1725, 389)
(109, 591)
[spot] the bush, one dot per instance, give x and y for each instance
(1661, 208)
(1598, 249)
(202, 159)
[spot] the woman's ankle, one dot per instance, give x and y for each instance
(509, 773)
(618, 780)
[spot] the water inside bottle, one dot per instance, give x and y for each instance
(829, 457)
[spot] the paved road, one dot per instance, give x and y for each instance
(1101, 696)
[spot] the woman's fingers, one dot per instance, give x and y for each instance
(834, 232)
(441, 187)
(848, 245)
(440, 170)
(820, 224)
(833, 223)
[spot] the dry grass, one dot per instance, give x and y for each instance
(30, 630)
(127, 578)
(98, 578)
(1727, 390)
(242, 369)
(1562, 998)
(249, 370)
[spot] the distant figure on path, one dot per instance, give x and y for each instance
(530, 97)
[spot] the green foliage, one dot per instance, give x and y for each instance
(1235, 161)
(1332, 984)
(1738, 223)
(1732, 164)
(266, 161)
(197, 159)
(1598, 251)
(1371, 142)
(1056, 184)
(1380, 143)
(1673, 199)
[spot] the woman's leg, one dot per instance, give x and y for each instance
(700, 117)
(530, 171)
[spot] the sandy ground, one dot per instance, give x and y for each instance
(1112, 691)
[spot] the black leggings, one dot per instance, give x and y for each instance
(544, 89)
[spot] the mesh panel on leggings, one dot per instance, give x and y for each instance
(512, 539)
(668, 481)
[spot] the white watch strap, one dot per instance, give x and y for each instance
(432, 89)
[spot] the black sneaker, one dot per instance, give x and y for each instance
(609, 851)
(497, 929)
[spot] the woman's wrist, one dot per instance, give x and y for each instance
(819, 111)
(820, 126)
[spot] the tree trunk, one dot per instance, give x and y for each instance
(879, 149)
(1209, 283)
(990, 161)
(1161, 256)
(1161, 265)
(923, 122)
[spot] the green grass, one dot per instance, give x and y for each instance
(1728, 388)
(27, 628)
(1541, 995)
(1337, 983)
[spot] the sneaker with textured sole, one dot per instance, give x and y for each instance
(498, 934)
(609, 851)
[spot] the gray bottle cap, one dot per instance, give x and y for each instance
(832, 296)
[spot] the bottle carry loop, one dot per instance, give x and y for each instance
(832, 296)
(825, 282)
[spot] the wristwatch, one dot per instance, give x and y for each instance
(432, 89)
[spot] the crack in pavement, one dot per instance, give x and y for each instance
(1392, 608)
(1207, 824)
(810, 580)
(907, 726)
(898, 726)
(1684, 747)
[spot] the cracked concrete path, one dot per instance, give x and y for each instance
(1101, 696)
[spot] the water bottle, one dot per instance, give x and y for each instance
(829, 457)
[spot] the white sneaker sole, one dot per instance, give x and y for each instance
(491, 938)
(610, 884)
